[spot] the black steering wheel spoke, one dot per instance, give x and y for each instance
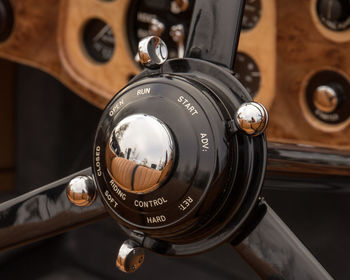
(274, 252)
(45, 212)
(215, 30)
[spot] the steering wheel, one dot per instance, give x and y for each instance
(179, 160)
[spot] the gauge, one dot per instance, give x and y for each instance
(327, 96)
(99, 40)
(6, 19)
(248, 73)
(168, 19)
(252, 13)
(334, 14)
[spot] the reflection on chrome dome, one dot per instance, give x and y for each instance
(140, 153)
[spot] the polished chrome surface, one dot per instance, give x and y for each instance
(130, 256)
(44, 212)
(140, 153)
(152, 51)
(252, 118)
(274, 252)
(81, 191)
(177, 33)
(326, 99)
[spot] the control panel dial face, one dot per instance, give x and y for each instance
(200, 178)
(334, 14)
(98, 40)
(248, 73)
(150, 138)
(252, 13)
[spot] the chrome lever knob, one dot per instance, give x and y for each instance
(130, 256)
(252, 118)
(152, 51)
(81, 191)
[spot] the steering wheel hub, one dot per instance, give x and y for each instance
(172, 162)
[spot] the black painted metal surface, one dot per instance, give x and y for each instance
(214, 31)
(274, 252)
(223, 197)
(44, 212)
(307, 167)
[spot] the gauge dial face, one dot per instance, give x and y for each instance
(248, 73)
(252, 13)
(334, 14)
(163, 18)
(99, 41)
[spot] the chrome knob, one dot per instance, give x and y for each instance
(326, 99)
(140, 153)
(152, 51)
(130, 256)
(252, 118)
(81, 191)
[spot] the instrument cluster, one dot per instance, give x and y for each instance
(284, 49)
(170, 20)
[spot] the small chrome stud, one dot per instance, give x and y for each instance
(81, 191)
(252, 118)
(130, 257)
(152, 51)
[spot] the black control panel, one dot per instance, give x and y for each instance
(169, 160)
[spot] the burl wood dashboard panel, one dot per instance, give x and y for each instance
(288, 44)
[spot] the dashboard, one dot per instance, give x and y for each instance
(293, 55)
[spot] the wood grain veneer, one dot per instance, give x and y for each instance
(107, 78)
(34, 42)
(301, 50)
(288, 44)
(260, 44)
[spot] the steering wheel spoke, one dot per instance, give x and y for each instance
(214, 31)
(44, 212)
(309, 168)
(274, 252)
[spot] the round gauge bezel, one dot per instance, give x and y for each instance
(88, 38)
(329, 77)
(257, 14)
